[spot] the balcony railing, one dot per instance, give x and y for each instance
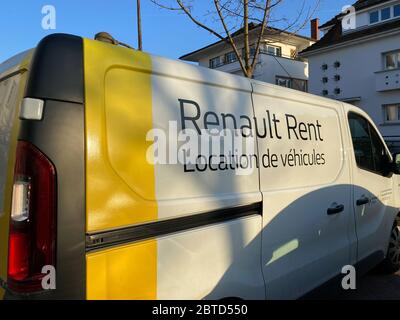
(224, 63)
(297, 58)
(387, 80)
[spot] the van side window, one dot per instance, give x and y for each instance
(360, 135)
(378, 150)
(369, 150)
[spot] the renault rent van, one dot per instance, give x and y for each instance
(83, 199)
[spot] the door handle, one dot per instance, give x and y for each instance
(362, 201)
(335, 210)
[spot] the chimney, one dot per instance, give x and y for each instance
(315, 29)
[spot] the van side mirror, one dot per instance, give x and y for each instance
(396, 163)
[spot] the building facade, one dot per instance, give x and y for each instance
(358, 61)
(278, 61)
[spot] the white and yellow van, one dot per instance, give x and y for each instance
(78, 192)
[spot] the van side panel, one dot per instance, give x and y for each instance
(162, 231)
(126, 272)
(118, 117)
(120, 182)
(220, 259)
(304, 178)
(12, 85)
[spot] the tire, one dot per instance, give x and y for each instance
(391, 264)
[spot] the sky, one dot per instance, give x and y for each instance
(165, 33)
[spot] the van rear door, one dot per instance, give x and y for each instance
(12, 82)
(47, 229)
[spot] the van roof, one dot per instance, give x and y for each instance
(13, 64)
(57, 56)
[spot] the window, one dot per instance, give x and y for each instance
(275, 51)
(215, 62)
(378, 151)
(392, 60)
(300, 84)
(386, 13)
(360, 136)
(252, 52)
(293, 53)
(230, 57)
(297, 84)
(284, 82)
(374, 17)
(396, 10)
(391, 113)
(369, 150)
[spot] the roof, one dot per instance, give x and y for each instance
(252, 26)
(335, 36)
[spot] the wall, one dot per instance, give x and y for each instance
(271, 66)
(359, 62)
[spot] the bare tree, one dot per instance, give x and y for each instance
(242, 23)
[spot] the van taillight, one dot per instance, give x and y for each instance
(32, 239)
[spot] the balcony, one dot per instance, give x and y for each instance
(231, 67)
(387, 80)
(295, 57)
(234, 66)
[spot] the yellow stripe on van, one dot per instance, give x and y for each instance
(120, 182)
(127, 272)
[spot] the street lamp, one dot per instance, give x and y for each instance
(139, 26)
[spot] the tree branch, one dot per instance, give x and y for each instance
(260, 36)
(189, 14)
(236, 15)
(229, 36)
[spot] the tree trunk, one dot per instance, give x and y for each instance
(246, 37)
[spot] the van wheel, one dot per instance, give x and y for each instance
(391, 264)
